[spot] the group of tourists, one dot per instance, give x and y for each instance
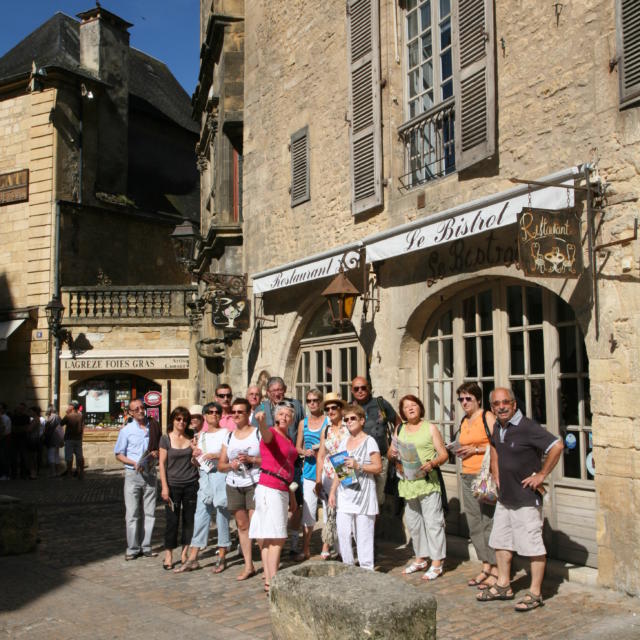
(269, 464)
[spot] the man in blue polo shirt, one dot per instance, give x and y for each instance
(517, 447)
(139, 438)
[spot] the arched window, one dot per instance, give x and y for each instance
(328, 358)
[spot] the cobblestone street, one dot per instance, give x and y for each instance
(78, 585)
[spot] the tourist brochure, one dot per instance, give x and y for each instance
(346, 476)
(410, 461)
(206, 464)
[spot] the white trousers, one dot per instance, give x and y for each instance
(363, 527)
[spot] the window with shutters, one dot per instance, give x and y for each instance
(300, 191)
(449, 87)
(628, 45)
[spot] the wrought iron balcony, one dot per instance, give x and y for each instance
(429, 141)
(106, 304)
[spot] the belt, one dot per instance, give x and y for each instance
(275, 475)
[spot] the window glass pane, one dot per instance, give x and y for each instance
(589, 464)
(414, 79)
(344, 366)
(587, 401)
(425, 15)
(433, 370)
(517, 386)
(434, 403)
(571, 453)
(447, 92)
(487, 387)
(413, 53)
(412, 25)
(538, 401)
(427, 101)
(446, 324)
(427, 75)
(534, 305)
(567, 340)
(445, 35)
(447, 358)
(307, 367)
(485, 310)
(486, 347)
(517, 354)
(469, 314)
(411, 4)
(536, 352)
(427, 46)
(584, 368)
(299, 373)
(514, 306)
(447, 401)
(564, 312)
(569, 402)
(445, 65)
(471, 359)
(345, 389)
(329, 366)
(413, 112)
(445, 8)
(353, 371)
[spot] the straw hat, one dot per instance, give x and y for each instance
(333, 397)
(195, 410)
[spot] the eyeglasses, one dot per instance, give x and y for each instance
(224, 395)
(310, 400)
(333, 407)
(286, 403)
(351, 418)
(466, 399)
(504, 403)
(361, 388)
(238, 412)
(179, 419)
(213, 412)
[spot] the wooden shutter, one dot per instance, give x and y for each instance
(363, 43)
(474, 81)
(300, 191)
(628, 45)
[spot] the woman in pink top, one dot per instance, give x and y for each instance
(274, 496)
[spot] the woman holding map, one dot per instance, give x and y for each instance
(353, 491)
(418, 445)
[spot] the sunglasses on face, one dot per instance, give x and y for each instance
(179, 419)
(466, 399)
(504, 403)
(224, 395)
(285, 403)
(361, 388)
(351, 419)
(333, 407)
(310, 400)
(213, 412)
(238, 412)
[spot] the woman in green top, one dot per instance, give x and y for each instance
(423, 512)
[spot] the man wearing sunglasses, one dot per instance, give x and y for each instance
(517, 447)
(378, 414)
(137, 448)
(224, 395)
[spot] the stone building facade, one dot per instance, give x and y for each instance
(97, 166)
(386, 138)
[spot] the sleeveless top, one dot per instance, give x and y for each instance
(472, 433)
(331, 445)
(311, 439)
(423, 442)
(278, 459)
(249, 445)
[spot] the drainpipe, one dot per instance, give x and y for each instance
(56, 293)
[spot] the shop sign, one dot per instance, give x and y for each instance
(230, 306)
(549, 243)
(463, 256)
(119, 364)
(14, 187)
(153, 398)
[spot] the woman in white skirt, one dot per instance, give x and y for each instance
(356, 503)
(274, 498)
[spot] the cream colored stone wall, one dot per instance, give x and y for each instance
(557, 106)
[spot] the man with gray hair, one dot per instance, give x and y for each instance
(517, 447)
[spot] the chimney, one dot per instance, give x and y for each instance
(104, 51)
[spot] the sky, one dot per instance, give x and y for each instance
(165, 29)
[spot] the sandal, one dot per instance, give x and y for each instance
(414, 567)
(246, 575)
(433, 573)
(529, 602)
(485, 584)
(266, 587)
(495, 592)
(220, 566)
(474, 582)
(189, 565)
(167, 567)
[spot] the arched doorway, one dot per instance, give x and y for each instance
(506, 333)
(328, 358)
(104, 399)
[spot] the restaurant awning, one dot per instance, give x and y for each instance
(7, 327)
(481, 215)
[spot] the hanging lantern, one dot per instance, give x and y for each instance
(341, 296)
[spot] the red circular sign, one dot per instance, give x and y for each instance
(153, 398)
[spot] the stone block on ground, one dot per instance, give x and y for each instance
(18, 526)
(333, 600)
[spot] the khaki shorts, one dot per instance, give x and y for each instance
(381, 481)
(518, 530)
(241, 498)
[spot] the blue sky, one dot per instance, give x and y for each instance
(165, 29)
